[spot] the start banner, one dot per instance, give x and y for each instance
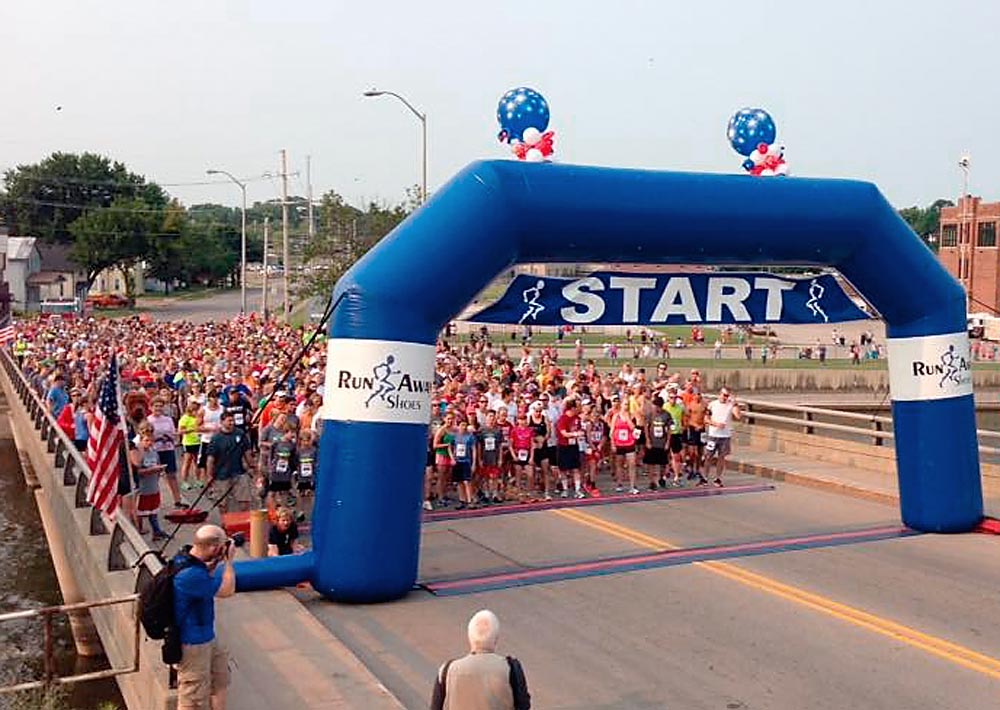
(609, 298)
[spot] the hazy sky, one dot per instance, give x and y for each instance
(888, 91)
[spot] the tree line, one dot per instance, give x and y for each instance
(113, 218)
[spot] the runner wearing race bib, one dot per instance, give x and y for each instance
(308, 455)
(623, 440)
(520, 446)
(443, 460)
(465, 455)
(675, 408)
(657, 437)
(596, 438)
(282, 465)
(491, 447)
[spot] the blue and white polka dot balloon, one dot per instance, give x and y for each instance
(748, 128)
(520, 109)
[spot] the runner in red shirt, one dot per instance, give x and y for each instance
(568, 437)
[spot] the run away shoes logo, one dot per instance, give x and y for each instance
(930, 367)
(606, 298)
(378, 381)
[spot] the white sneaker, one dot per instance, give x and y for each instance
(548, 496)
(579, 495)
(619, 489)
(634, 491)
(564, 494)
(428, 505)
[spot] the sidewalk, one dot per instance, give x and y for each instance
(855, 482)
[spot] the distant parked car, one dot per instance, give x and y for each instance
(107, 300)
(764, 330)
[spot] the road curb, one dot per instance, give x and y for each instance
(820, 483)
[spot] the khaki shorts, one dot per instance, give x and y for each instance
(204, 668)
(240, 492)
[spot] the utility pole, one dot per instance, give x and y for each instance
(263, 295)
(309, 196)
(285, 254)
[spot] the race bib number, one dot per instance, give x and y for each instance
(489, 444)
(623, 435)
(710, 445)
(582, 445)
(238, 418)
(658, 431)
(459, 451)
(522, 455)
(637, 433)
(704, 437)
(306, 469)
(596, 436)
(281, 466)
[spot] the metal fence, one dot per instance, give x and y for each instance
(128, 551)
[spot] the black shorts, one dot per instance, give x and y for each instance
(569, 457)
(692, 437)
(553, 455)
(168, 459)
(676, 443)
(542, 453)
(192, 449)
(305, 485)
(279, 486)
(640, 440)
(461, 471)
(80, 444)
(655, 457)
(203, 455)
(623, 450)
(430, 458)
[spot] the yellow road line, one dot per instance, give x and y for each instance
(939, 647)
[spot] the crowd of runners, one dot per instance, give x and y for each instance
(231, 403)
(534, 427)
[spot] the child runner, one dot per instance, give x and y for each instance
(594, 430)
(491, 439)
(464, 454)
(305, 482)
(282, 465)
(147, 469)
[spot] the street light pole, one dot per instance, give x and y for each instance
(243, 238)
(422, 117)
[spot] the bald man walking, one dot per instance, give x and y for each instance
(483, 679)
(203, 673)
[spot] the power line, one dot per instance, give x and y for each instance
(138, 185)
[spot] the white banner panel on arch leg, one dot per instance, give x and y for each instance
(378, 381)
(930, 367)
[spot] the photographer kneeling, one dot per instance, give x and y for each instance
(203, 673)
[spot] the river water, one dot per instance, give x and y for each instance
(28, 581)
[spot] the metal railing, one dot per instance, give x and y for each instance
(128, 551)
(47, 614)
(807, 420)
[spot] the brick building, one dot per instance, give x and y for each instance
(967, 240)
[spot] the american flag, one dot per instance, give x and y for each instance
(7, 333)
(104, 444)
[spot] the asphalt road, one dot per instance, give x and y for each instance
(904, 623)
(220, 306)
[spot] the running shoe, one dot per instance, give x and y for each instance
(702, 481)
(634, 491)
(717, 482)
(159, 535)
(580, 494)
(428, 505)
(461, 505)
(619, 489)
(564, 493)
(548, 496)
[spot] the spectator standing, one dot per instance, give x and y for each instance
(57, 398)
(203, 673)
(483, 679)
(165, 443)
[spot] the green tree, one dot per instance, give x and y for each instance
(344, 234)
(926, 221)
(44, 199)
(117, 236)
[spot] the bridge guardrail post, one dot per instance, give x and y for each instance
(808, 416)
(69, 474)
(877, 426)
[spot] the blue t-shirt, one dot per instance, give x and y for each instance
(464, 441)
(194, 601)
(80, 431)
(59, 399)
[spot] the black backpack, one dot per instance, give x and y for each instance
(156, 599)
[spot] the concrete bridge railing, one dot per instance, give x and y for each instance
(95, 557)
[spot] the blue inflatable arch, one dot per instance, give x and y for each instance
(393, 303)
